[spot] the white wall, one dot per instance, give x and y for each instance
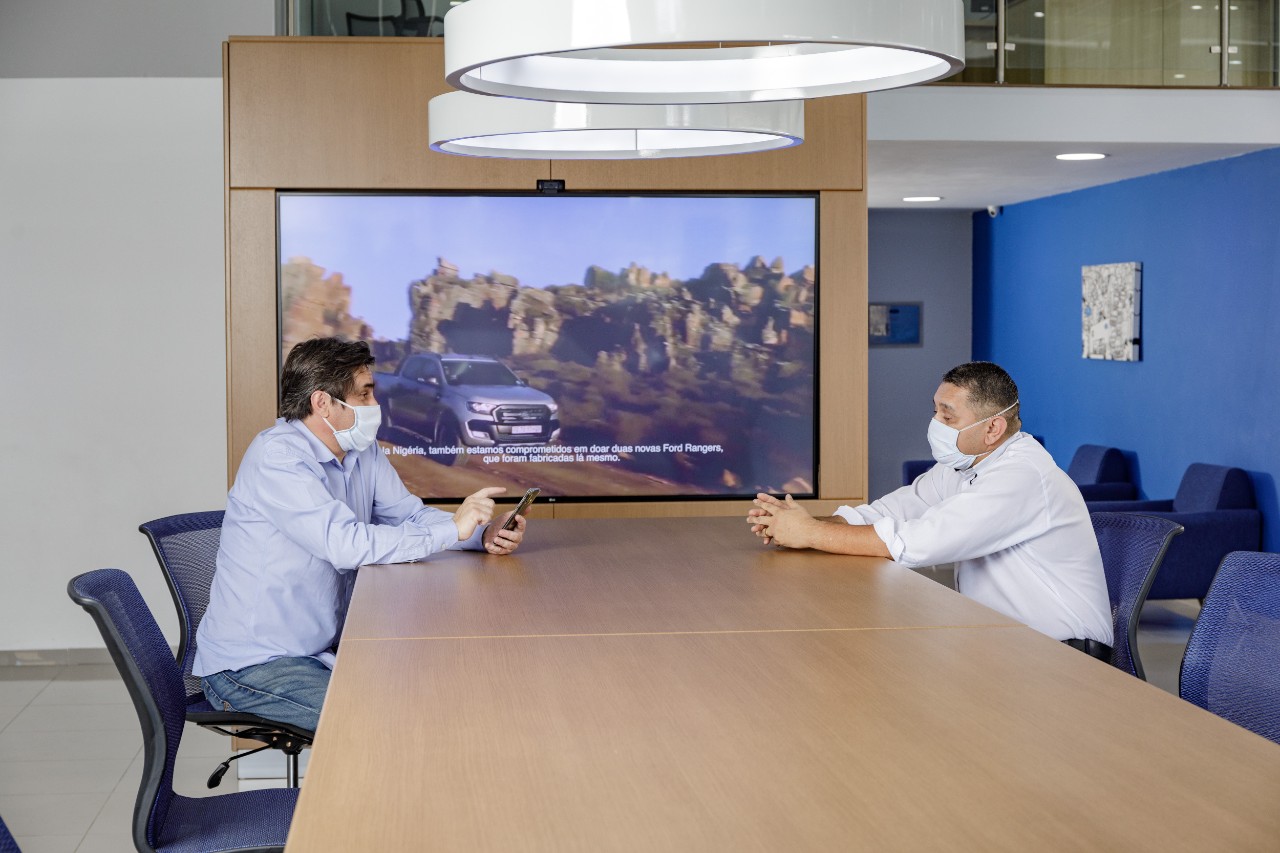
(923, 257)
(111, 277)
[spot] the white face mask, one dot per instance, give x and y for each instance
(943, 441)
(361, 434)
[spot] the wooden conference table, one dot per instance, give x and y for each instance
(672, 685)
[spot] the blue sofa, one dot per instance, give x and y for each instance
(1102, 473)
(1216, 505)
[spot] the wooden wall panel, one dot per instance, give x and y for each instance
(842, 346)
(348, 114)
(252, 336)
(830, 159)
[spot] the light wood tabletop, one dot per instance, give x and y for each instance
(578, 576)
(926, 739)
(672, 685)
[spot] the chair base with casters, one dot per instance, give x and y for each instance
(164, 820)
(186, 547)
(272, 734)
(1133, 548)
(1229, 667)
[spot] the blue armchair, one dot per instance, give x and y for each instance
(1216, 506)
(1102, 473)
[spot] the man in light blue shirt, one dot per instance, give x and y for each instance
(314, 499)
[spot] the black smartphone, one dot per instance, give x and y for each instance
(521, 508)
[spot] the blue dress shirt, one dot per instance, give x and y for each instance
(298, 523)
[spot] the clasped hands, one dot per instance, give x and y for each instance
(783, 523)
(478, 509)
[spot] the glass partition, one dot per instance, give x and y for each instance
(1149, 43)
(403, 18)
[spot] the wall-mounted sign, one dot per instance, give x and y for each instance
(895, 324)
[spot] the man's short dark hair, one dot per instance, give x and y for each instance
(320, 364)
(990, 388)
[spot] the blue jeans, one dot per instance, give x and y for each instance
(289, 690)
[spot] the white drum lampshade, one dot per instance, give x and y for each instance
(670, 51)
(482, 126)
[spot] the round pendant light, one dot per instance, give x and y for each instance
(671, 51)
(481, 126)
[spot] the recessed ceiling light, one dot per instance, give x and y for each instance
(1081, 156)
(1196, 8)
(922, 198)
(1236, 62)
(1179, 77)
(1038, 14)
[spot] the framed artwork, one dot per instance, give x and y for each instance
(894, 324)
(1111, 311)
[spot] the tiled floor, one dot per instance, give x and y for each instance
(71, 759)
(71, 749)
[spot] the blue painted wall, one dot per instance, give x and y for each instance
(1208, 386)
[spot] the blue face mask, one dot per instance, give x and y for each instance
(362, 433)
(944, 442)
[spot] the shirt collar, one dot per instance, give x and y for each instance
(323, 454)
(973, 471)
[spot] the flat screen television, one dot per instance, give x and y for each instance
(599, 347)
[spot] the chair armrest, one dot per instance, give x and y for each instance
(1109, 491)
(1149, 507)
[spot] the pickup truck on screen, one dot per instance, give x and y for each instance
(465, 400)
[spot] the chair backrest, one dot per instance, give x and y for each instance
(913, 468)
(142, 656)
(7, 844)
(1132, 546)
(1209, 487)
(1230, 664)
(187, 548)
(1094, 463)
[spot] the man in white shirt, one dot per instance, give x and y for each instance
(996, 505)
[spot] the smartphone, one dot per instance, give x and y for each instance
(521, 508)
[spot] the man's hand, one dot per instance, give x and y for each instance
(476, 509)
(784, 523)
(499, 541)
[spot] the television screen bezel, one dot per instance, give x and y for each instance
(812, 195)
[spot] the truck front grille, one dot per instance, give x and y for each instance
(521, 414)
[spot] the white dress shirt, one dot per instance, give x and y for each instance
(1018, 531)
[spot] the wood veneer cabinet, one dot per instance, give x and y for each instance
(351, 114)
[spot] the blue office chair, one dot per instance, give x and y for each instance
(1230, 664)
(1132, 546)
(162, 819)
(187, 547)
(7, 844)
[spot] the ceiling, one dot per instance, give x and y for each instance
(978, 146)
(976, 175)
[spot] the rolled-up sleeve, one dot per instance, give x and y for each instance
(969, 524)
(911, 501)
